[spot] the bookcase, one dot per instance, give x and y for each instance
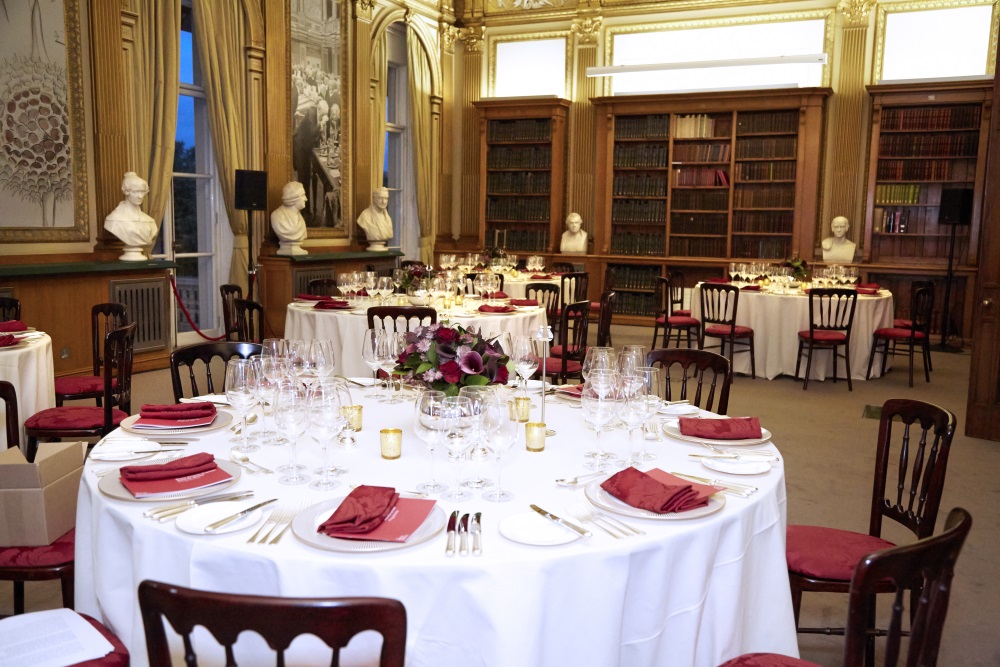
(522, 153)
(709, 175)
(928, 144)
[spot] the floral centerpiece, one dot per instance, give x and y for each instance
(414, 274)
(448, 358)
(800, 269)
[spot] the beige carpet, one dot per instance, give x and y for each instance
(829, 458)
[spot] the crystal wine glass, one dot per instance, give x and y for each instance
(429, 427)
(599, 358)
(291, 413)
(525, 357)
(600, 401)
(241, 392)
(481, 397)
(501, 434)
(635, 410)
(324, 403)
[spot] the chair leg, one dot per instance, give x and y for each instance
(32, 448)
(656, 332)
(911, 363)
(927, 361)
(18, 597)
(871, 358)
(798, 360)
(67, 583)
(796, 603)
(885, 355)
(753, 360)
(847, 362)
(809, 365)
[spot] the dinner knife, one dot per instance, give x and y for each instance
(562, 522)
(449, 550)
(463, 533)
(180, 507)
(477, 534)
(212, 527)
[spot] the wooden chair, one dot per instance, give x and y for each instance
(547, 296)
(719, 304)
(388, 317)
(823, 559)
(918, 334)
(229, 294)
(13, 427)
(604, 316)
(205, 353)
(278, 620)
(695, 366)
(10, 309)
(573, 287)
(323, 287)
(927, 565)
(907, 323)
(673, 320)
(90, 421)
(249, 321)
(831, 320)
(574, 323)
(562, 267)
(104, 318)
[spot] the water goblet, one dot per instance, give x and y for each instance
(600, 402)
(456, 412)
(429, 427)
(241, 392)
(636, 409)
(324, 402)
(599, 358)
(291, 412)
(501, 434)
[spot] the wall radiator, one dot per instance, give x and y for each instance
(301, 278)
(146, 300)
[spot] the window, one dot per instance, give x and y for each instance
(545, 59)
(939, 43)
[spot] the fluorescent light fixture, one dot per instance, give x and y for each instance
(713, 89)
(939, 79)
(810, 59)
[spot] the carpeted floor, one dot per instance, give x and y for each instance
(828, 446)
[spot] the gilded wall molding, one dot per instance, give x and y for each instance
(587, 29)
(494, 40)
(856, 12)
(449, 35)
(472, 38)
(363, 9)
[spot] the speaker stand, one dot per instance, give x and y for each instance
(946, 325)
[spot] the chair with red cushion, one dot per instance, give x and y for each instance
(914, 441)
(278, 620)
(719, 304)
(573, 288)
(673, 317)
(927, 565)
(90, 421)
(604, 316)
(918, 334)
(831, 319)
(104, 317)
(43, 563)
(547, 296)
(10, 309)
(574, 324)
(907, 323)
(200, 357)
(229, 294)
(695, 366)
(400, 318)
(249, 320)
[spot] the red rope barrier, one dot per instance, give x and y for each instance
(187, 315)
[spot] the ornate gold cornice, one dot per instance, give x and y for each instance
(472, 38)
(449, 34)
(856, 11)
(587, 29)
(364, 9)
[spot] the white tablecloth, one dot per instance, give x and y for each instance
(777, 319)
(29, 367)
(688, 592)
(516, 289)
(347, 329)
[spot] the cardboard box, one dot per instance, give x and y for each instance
(38, 500)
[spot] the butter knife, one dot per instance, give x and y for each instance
(157, 512)
(463, 534)
(477, 534)
(212, 527)
(449, 550)
(562, 522)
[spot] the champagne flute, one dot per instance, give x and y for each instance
(525, 356)
(429, 425)
(636, 408)
(369, 354)
(292, 415)
(241, 392)
(456, 412)
(390, 346)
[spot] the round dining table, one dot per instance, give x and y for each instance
(29, 367)
(692, 589)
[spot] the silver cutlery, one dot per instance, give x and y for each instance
(225, 521)
(463, 535)
(477, 534)
(243, 460)
(272, 525)
(449, 549)
(729, 488)
(583, 532)
(741, 450)
(287, 521)
(415, 494)
(576, 481)
(583, 516)
(616, 522)
(750, 458)
(118, 452)
(165, 512)
(153, 460)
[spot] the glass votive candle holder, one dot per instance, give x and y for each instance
(534, 436)
(353, 415)
(522, 408)
(391, 442)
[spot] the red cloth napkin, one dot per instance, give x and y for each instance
(751, 288)
(486, 308)
(873, 286)
(8, 340)
(311, 297)
(636, 488)
(524, 302)
(735, 428)
(572, 389)
(362, 511)
(12, 325)
(867, 290)
(178, 411)
(542, 276)
(495, 295)
(717, 280)
(331, 304)
(189, 465)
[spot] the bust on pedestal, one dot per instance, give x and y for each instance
(375, 221)
(838, 248)
(129, 223)
(574, 239)
(287, 221)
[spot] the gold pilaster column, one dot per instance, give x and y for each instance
(581, 147)
(361, 20)
(472, 86)
(448, 35)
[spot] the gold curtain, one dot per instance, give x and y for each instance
(420, 127)
(380, 76)
(221, 42)
(157, 82)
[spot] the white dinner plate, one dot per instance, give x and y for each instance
(484, 314)
(734, 467)
(679, 410)
(534, 386)
(222, 419)
(16, 346)
(19, 331)
(605, 500)
(111, 485)
(307, 522)
(121, 449)
(195, 520)
(672, 428)
(534, 529)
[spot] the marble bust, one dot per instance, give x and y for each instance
(287, 221)
(129, 223)
(838, 248)
(574, 239)
(375, 220)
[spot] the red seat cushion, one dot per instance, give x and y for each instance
(59, 552)
(661, 319)
(723, 330)
(898, 334)
(828, 553)
(72, 418)
(595, 305)
(766, 660)
(683, 312)
(683, 321)
(118, 657)
(81, 384)
(903, 324)
(554, 366)
(557, 350)
(825, 336)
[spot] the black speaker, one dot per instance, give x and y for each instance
(251, 190)
(956, 207)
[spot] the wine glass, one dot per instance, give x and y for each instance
(525, 357)
(600, 401)
(241, 392)
(388, 348)
(369, 354)
(384, 288)
(456, 413)
(636, 408)
(322, 358)
(429, 426)
(655, 386)
(733, 271)
(323, 400)
(631, 357)
(274, 347)
(398, 275)
(369, 280)
(501, 434)
(599, 358)
(480, 397)
(300, 361)
(269, 373)
(345, 284)
(291, 412)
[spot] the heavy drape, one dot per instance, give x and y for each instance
(380, 76)
(420, 127)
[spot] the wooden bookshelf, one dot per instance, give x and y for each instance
(522, 153)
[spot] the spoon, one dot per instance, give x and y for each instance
(574, 481)
(244, 460)
(418, 494)
(251, 419)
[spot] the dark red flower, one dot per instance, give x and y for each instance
(450, 372)
(446, 336)
(501, 375)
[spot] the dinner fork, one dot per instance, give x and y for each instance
(287, 520)
(731, 452)
(277, 517)
(582, 515)
(621, 525)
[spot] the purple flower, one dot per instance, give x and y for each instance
(446, 353)
(471, 363)
(432, 375)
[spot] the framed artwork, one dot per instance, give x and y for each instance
(43, 160)
(318, 102)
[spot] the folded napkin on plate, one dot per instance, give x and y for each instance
(486, 308)
(873, 286)
(362, 511)
(571, 389)
(636, 488)
(750, 288)
(717, 280)
(495, 295)
(868, 289)
(189, 465)
(12, 325)
(524, 302)
(734, 428)
(178, 411)
(331, 304)
(311, 297)
(7, 340)
(542, 276)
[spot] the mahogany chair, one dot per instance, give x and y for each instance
(574, 324)
(323, 287)
(674, 321)
(914, 441)
(573, 287)
(389, 317)
(547, 296)
(90, 421)
(10, 309)
(13, 428)
(104, 318)
(562, 267)
(831, 320)
(278, 620)
(907, 323)
(604, 315)
(918, 334)
(927, 565)
(229, 294)
(201, 355)
(695, 367)
(719, 304)
(249, 321)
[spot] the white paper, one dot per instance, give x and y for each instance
(52, 638)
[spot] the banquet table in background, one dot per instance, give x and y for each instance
(516, 288)
(347, 329)
(29, 367)
(689, 592)
(777, 319)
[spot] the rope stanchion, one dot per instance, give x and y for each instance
(187, 315)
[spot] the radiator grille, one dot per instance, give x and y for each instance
(146, 300)
(301, 278)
